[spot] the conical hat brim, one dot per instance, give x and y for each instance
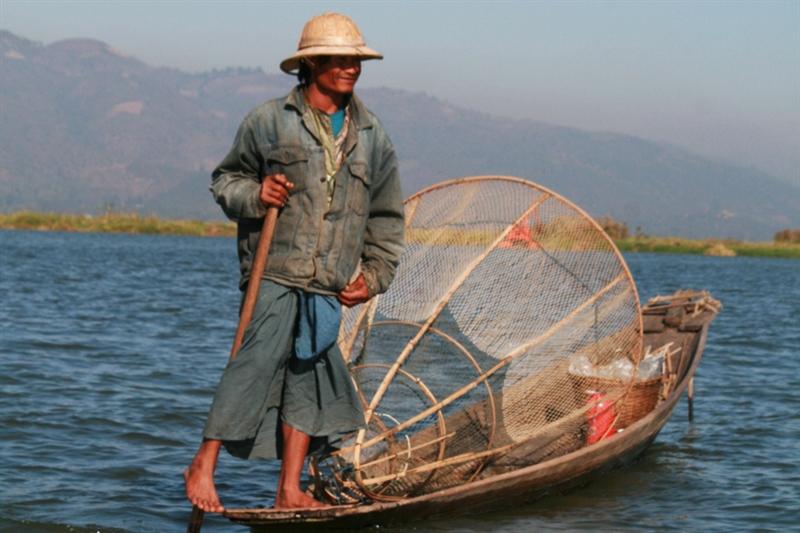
(291, 64)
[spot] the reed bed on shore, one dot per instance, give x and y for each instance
(114, 223)
(716, 247)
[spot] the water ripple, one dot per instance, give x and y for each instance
(109, 365)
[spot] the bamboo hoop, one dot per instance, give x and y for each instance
(440, 422)
(466, 353)
(460, 347)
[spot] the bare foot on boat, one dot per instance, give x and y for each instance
(297, 500)
(200, 489)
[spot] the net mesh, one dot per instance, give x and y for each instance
(465, 363)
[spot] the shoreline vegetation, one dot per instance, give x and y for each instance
(115, 222)
(712, 247)
(133, 223)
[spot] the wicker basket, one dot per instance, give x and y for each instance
(640, 400)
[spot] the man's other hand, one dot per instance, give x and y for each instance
(355, 293)
(275, 190)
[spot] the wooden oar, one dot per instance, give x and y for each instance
(250, 297)
(256, 272)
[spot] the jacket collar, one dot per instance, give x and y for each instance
(358, 113)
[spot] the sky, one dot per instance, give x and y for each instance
(721, 78)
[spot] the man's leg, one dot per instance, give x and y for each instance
(199, 477)
(289, 494)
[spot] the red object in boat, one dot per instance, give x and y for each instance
(601, 417)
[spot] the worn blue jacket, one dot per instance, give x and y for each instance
(315, 247)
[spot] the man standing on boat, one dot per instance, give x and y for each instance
(326, 162)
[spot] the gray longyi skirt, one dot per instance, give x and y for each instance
(265, 385)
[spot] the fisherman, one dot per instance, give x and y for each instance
(326, 162)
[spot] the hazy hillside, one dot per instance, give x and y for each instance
(83, 127)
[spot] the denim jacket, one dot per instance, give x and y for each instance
(315, 247)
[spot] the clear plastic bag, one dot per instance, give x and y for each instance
(620, 370)
(651, 367)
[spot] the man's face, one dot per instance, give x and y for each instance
(336, 74)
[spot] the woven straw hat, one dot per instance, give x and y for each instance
(330, 34)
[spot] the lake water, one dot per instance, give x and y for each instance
(111, 346)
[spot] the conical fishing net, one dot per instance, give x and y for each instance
(482, 356)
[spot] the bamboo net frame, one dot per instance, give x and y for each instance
(502, 283)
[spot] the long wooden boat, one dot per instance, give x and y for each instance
(682, 318)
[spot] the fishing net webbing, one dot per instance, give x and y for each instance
(464, 365)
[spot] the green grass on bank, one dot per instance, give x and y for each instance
(716, 247)
(113, 223)
(134, 223)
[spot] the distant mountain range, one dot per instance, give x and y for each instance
(84, 128)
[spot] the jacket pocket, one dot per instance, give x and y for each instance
(358, 190)
(291, 161)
